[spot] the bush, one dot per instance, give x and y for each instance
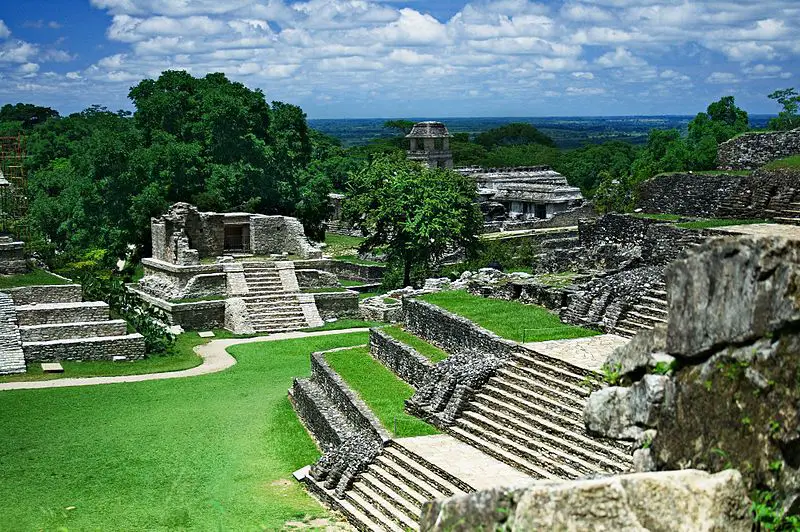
(149, 321)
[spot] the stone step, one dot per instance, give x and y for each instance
(419, 468)
(278, 330)
(651, 311)
(501, 454)
(642, 320)
(658, 293)
(625, 332)
(561, 371)
(513, 391)
(421, 485)
(354, 515)
(270, 298)
(259, 265)
(630, 325)
(131, 346)
(582, 452)
(411, 506)
(406, 490)
(65, 331)
(371, 512)
(276, 319)
(276, 313)
(559, 464)
(615, 450)
(790, 221)
(530, 377)
(393, 512)
(62, 313)
(537, 388)
(430, 467)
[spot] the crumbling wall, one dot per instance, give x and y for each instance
(687, 193)
(719, 387)
(753, 150)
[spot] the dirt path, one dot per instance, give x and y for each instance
(215, 358)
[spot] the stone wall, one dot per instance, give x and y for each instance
(56, 293)
(337, 304)
(12, 359)
(66, 331)
(405, 361)
(344, 270)
(197, 316)
(567, 218)
(12, 258)
(764, 194)
(130, 346)
(316, 279)
(170, 281)
(688, 194)
(753, 150)
(45, 313)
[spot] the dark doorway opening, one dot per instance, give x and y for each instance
(237, 238)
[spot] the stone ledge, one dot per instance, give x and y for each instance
(405, 361)
(130, 346)
(44, 294)
(161, 265)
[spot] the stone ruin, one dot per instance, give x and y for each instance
(12, 256)
(749, 151)
(429, 143)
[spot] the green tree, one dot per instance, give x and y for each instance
(583, 166)
(402, 127)
(522, 155)
(513, 134)
(787, 118)
(413, 212)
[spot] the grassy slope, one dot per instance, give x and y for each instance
(210, 452)
(341, 244)
(381, 389)
(433, 353)
(35, 277)
(509, 319)
(788, 162)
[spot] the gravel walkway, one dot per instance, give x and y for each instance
(215, 358)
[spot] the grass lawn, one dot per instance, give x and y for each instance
(181, 356)
(663, 217)
(207, 453)
(342, 244)
(346, 282)
(365, 295)
(509, 319)
(788, 162)
(433, 353)
(707, 224)
(383, 391)
(345, 323)
(355, 259)
(32, 278)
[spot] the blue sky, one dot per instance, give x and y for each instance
(359, 58)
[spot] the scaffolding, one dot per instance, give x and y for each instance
(13, 187)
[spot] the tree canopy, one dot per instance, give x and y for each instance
(414, 213)
(513, 134)
(788, 117)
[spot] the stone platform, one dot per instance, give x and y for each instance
(792, 232)
(464, 462)
(587, 353)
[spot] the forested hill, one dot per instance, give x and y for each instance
(567, 132)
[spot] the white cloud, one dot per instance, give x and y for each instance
(5, 33)
(583, 75)
(621, 57)
(722, 78)
(27, 69)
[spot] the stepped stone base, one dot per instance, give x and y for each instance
(62, 313)
(12, 359)
(130, 346)
(12, 257)
(65, 331)
(45, 294)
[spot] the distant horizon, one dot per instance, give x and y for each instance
(439, 118)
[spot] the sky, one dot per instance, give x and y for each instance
(387, 58)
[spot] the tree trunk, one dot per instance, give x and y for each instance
(406, 272)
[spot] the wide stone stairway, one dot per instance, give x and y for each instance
(273, 300)
(649, 312)
(530, 416)
(55, 324)
(389, 495)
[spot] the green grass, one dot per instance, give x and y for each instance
(326, 290)
(520, 269)
(390, 300)
(557, 280)
(509, 319)
(346, 282)
(345, 324)
(663, 217)
(707, 224)
(197, 299)
(214, 452)
(33, 278)
(365, 295)
(354, 259)
(788, 162)
(430, 351)
(382, 390)
(342, 244)
(180, 356)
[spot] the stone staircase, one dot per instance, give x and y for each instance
(790, 215)
(12, 359)
(649, 312)
(389, 495)
(273, 306)
(530, 416)
(54, 324)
